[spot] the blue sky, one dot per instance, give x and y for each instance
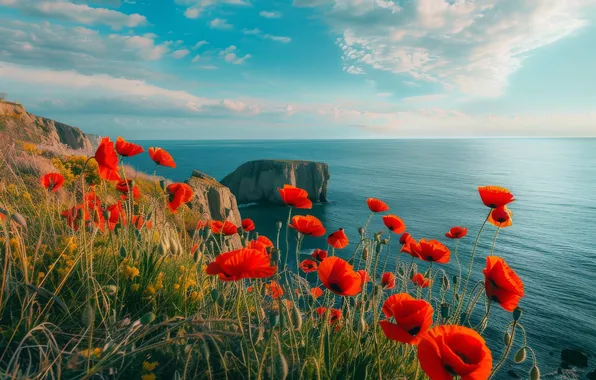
(237, 69)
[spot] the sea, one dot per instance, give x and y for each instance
(432, 185)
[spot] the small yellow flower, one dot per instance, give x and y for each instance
(26, 196)
(149, 376)
(159, 281)
(14, 243)
(182, 268)
(176, 286)
(135, 287)
(150, 290)
(149, 366)
(130, 272)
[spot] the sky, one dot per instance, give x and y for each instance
(304, 69)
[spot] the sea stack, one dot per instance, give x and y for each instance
(258, 181)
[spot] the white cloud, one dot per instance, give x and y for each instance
(199, 44)
(208, 67)
(473, 46)
(178, 54)
(196, 58)
(192, 13)
(384, 94)
(230, 55)
(355, 70)
(270, 14)
(198, 7)
(255, 31)
(80, 13)
(259, 33)
(220, 23)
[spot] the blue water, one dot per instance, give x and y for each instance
(432, 185)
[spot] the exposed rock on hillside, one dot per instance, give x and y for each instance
(18, 124)
(258, 181)
(215, 201)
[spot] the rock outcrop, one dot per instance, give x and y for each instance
(18, 124)
(258, 181)
(215, 201)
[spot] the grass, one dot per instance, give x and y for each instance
(136, 302)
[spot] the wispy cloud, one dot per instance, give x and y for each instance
(231, 55)
(424, 98)
(220, 23)
(199, 44)
(270, 14)
(179, 54)
(259, 33)
(196, 8)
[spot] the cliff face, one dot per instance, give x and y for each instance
(215, 201)
(18, 124)
(258, 181)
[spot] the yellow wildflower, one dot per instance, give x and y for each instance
(26, 196)
(159, 281)
(150, 290)
(182, 268)
(130, 272)
(176, 286)
(148, 376)
(149, 366)
(135, 287)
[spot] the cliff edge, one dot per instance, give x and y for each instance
(258, 181)
(18, 124)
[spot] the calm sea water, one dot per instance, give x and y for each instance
(432, 185)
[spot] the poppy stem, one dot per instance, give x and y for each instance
(495, 240)
(387, 253)
(506, 352)
(287, 238)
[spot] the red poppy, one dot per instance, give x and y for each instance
(308, 266)
(388, 280)
(365, 277)
(334, 314)
(316, 292)
(394, 223)
(421, 281)
(377, 205)
(138, 221)
(432, 250)
(248, 225)
(52, 181)
(408, 319)
(457, 232)
(178, 194)
(228, 228)
(502, 284)
(265, 240)
(404, 238)
(117, 215)
(3, 214)
(75, 215)
(241, 263)
(308, 225)
(495, 196)
(129, 186)
(161, 157)
(448, 351)
(92, 200)
(107, 160)
(338, 239)
(295, 197)
(410, 246)
(274, 290)
(250, 289)
(338, 276)
(127, 149)
(255, 244)
(202, 224)
(319, 254)
(501, 217)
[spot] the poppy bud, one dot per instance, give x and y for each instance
(19, 219)
(378, 236)
(162, 184)
(296, 317)
(535, 373)
(106, 214)
(214, 295)
(521, 355)
(445, 282)
(275, 255)
(362, 231)
(365, 253)
(207, 233)
(455, 280)
(110, 289)
(517, 313)
(281, 364)
(147, 318)
(273, 318)
(385, 241)
(197, 256)
(123, 252)
(278, 225)
(445, 310)
(507, 338)
(378, 248)
(88, 315)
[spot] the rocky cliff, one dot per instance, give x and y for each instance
(215, 201)
(18, 124)
(258, 181)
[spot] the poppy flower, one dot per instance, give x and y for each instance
(308, 225)
(432, 250)
(319, 254)
(448, 351)
(3, 214)
(241, 263)
(202, 224)
(316, 292)
(52, 181)
(161, 157)
(308, 266)
(408, 319)
(495, 196)
(92, 201)
(388, 280)
(116, 215)
(337, 275)
(334, 314)
(138, 221)
(248, 225)
(250, 289)
(274, 290)
(255, 244)
(409, 247)
(107, 160)
(365, 277)
(404, 238)
(457, 232)
(129, 186)
(127, 149)
(502, 284)
(338, 239)
(501, 217)
(421, 281)
(394, 223)
(377, 205)
(228, 228)
(295, 197)
(265, 240)
(178, 194)
(75, 215)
